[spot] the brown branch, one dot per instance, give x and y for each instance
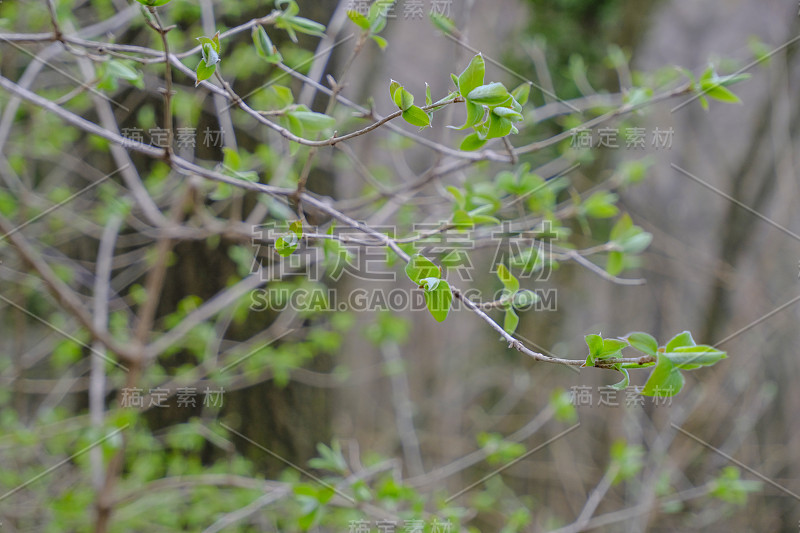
(162, 31)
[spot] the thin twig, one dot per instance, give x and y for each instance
(162, 31)
(97, 385)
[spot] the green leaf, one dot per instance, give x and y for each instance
(498, 450)
(510, 282)
(713, 89)
(563, 407)
(420, 267)
(393, 86)
(729, 486)
(204, 72)
(287, 244)
(498, 127)
(611, 348)
(264, 47)
(623, 384)
(473, 75)
(600, 348)
(622, 228)
(121, 70)
(445, 24)
(330, 458)
(439, 300)
(281, 95)
(458, 196)
(679, 340)
(462, 219)
(66, 352)
(428, 99)
(309, 27)
(631, 239)
(643, 342)
(377, 15)
(308, 520)
(113, 70)
(507, 112)
(637, 242)
(615, 263)
(511, 321)
(472, 142)
(231, 159)
(293, 124)
(223, 191)
(690, 357)
(261, 41)
(485, 220)
(637, 96)
(380, 41)
(601, 205)
(312, 121)
(491, 94)
(632, 172)
(402, 98)
(416, 117)
(291, 10)
(595, 344)
(9, 203)
(665, 379)
(521, 93)
(153, 3)
(475, 114)
(482, 130)
(210, 55)
(358, 19)
(627, 459)
(213, 42)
